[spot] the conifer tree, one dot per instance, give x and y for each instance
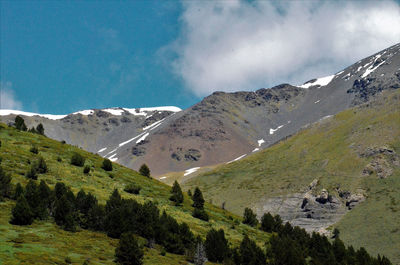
(198, 200)
(144, 170)
(267, 222)
(107, 165)
(22, 213)
(18, 191)
(177, 195)
(20, 123)
(216, 245)
(250, 253)
(128, 251)
(249, 217)
(40, 129)
(114, 201)
(41, 166)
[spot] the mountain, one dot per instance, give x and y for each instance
(223, 126)
(340, 172)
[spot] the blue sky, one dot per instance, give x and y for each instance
(63, 56)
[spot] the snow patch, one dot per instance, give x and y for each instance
(271, 131)
(130, 140)
(190, 171)
(163, 177)
(371, 68)
(142, 138)
(153, 124)
(85, 112)
(236, 159)
(255, 150)
(102, 150)
(317, 101)
(260, 142)
(322, 81)
(5, 112)
(114, 111)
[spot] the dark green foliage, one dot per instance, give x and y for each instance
(5, 184)
(22, 213)
(177, 195)
(107, 165)
(335, 233)
(63, 213)
(132, 188)
(40, 129)
(128, 251)
(249, 217)
(41, 166)
(20, 123)
(283, 250)
(32, 130)
(86, 169)
(200, 214)
(144, 170)
(59, 159)
(190, 193)
(77, 160)
(31, 173)
(34, 150)
(216, 246)
(267, 222)
(249, 253)
(198, 200)
(18, 191)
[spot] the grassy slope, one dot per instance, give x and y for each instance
(45, 243)
(328, 151)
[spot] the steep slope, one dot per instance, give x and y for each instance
(343, 171)
(223, 126)
(44, 242)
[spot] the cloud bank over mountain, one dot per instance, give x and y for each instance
(7, 97)
(238, 45)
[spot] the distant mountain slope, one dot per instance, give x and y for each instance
(343, 171)
(223, 126)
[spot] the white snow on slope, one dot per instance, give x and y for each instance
(163, 108)
(260, 142)
(114, 111)
(271, 131)
(130, 140)
(317, 101)
(190, 171)
(322, 81)
(371, 68)
(5, 112)
(153, 124)
(85, 112)
(236, 159)
(114, 159)
(102, 150)
(255, 150)
(142, 138)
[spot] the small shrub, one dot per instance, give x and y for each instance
(133, 189)
(163, 252)
(41, 166)
(107, 165)
(249, 217)
(86, 169)
(111, 176)
(59, 159)
(144, 170)
(34, 150)
(200, 214)
(68, 260)
(77, 160)
(31, 173)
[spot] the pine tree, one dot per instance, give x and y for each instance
(107, 165)
(198, 200)
(21, 213)
(128, 251)
(20, 123)
(250, 253)
(40, 129)
(18, 191)
(144, 170)
(41, 166)
(249, 217)
(177, 195)
(267, 222)
(216, 245)
(31, 173)
(114, 201)
(5, 184)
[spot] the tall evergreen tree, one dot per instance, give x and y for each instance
(267, 222)
(41, 166)
(177, 195)
(216, 245)
(114, 202)
(249, 217)
(128, 251)
(198, 200)
(40, 129)
(144, 170)
(18, 191)
(20, 123)
(22, 213)
(250, 253)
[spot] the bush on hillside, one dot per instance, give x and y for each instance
(77, 160)
(107, 165)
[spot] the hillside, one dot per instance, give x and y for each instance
(223, 126)
(44, 242)
(348, 162)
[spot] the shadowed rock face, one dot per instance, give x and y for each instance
(223, 126)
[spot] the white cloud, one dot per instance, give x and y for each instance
(236, 45)
(7, 97)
